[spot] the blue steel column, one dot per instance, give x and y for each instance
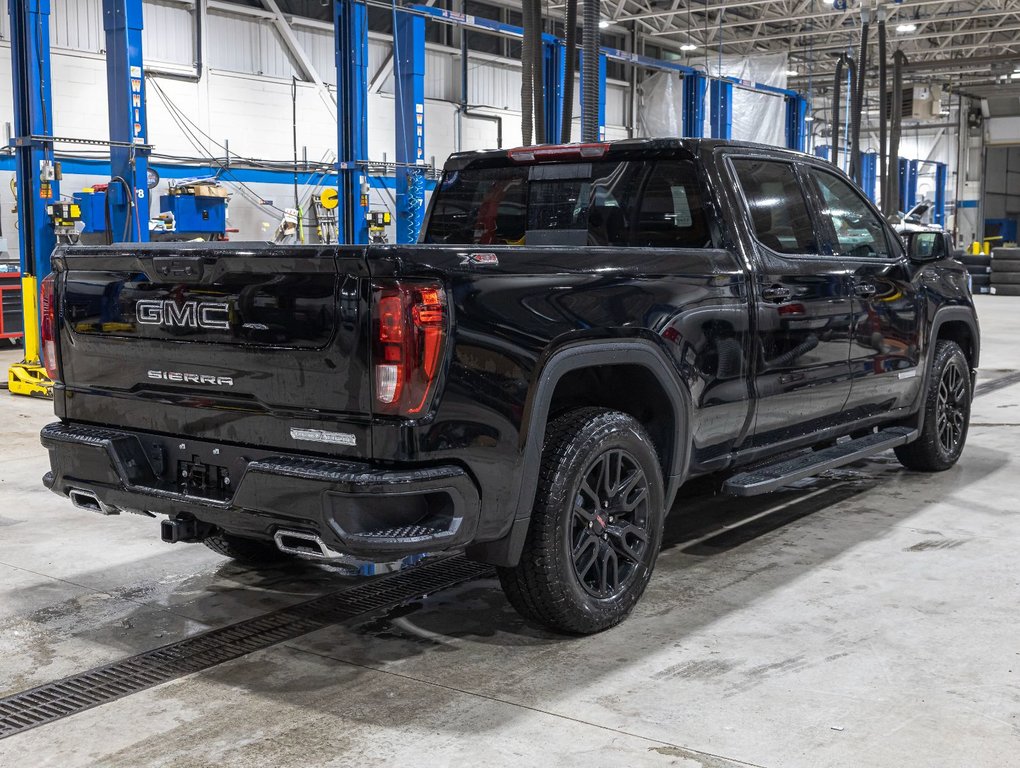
(350, 21)
(869, 174)
(553, 54)
(602, 94)
(694, 86)
(125, 86)
(33, 116)
(941, 179)
(409, 113)
(720, 94)
(911, 199)
(796, 126)
(903, 169)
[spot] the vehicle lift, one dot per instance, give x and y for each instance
(37, 170)
(38, 179)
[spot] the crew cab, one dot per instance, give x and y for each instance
(580, 330)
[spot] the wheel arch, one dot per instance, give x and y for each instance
(587, 373)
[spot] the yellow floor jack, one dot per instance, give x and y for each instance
(29, 376)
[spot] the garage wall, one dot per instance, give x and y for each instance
(245, 99)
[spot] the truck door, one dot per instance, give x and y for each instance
(803, 306)
(885, 345)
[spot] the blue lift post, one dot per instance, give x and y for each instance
(869, 174)
(796, 125)
(941, 182)
(602, 94)
(720, 93)
(38, 185)
(695, 87)
(129, 150)
(554, 64)
(350, 20)
(409, 113)
(907, 170)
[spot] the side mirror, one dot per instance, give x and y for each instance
(928, 246)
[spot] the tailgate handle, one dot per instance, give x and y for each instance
(179, 268)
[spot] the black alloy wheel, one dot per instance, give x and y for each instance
(952, 407)
(610, 524)
(596, 524)
(946, 414)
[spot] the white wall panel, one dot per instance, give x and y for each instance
(168, 34)
(249, 45)
(77, 24)
(320, 47)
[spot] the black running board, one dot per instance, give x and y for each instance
(774, 476)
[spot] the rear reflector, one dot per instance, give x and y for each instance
(557, 152)
(409, 321)
(48, 325)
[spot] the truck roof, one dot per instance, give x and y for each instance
(604, 149)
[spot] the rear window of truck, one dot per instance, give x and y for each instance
(630, 203)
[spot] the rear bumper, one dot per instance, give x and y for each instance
(355, 508)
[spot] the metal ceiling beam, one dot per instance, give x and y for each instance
(301, 57)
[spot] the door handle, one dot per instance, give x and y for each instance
(865, 290)
(776, 294)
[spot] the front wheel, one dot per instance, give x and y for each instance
(946, 413)
(596, 526)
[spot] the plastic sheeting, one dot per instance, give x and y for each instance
(756, 116)
(660, 104)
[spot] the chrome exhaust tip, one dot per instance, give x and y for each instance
(88, 500)
(306, 545)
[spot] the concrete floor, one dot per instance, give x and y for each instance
(866, 619)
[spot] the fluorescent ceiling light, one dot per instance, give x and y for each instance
(603, 23)
(906, 29)
(809, 118)
(688, 47)
(792, 73)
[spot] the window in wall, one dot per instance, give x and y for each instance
(779, 211)
(484, 43)
(380, 19)
(859, 233)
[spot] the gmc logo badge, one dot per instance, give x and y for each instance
(189, 314)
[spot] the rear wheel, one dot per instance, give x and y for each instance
(946, 413)
(245, 550)
(596, 526)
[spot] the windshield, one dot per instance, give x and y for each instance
(597, 203)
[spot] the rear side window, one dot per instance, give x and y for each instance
(487, 206)
(776, 202)
(614, 203)
(670, 213)
(859, 232)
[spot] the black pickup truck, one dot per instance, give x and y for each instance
(580, 330)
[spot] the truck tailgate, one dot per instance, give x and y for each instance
(251, 344)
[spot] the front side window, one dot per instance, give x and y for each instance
(776, 202)
(859, 232)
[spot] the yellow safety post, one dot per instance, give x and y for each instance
(29, 376)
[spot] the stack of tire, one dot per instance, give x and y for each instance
(979, 266)
(1006, 271)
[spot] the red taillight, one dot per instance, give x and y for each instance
(409, 332)
(48, 325)
(556, 152)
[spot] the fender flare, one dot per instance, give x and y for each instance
(942, 316)
(571, 357)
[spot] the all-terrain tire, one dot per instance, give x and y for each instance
(946, 413)
(596, 526)
(245, 550)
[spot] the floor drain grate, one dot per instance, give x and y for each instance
(62, 698)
